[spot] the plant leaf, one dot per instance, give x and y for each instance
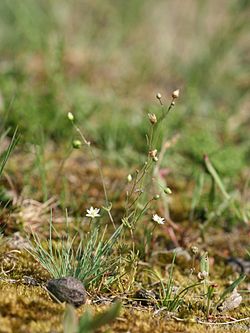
(231, 288)
(90, 324)
(70, 321)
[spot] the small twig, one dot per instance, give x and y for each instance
(179, 319)
(51, 295)
(224, 323)
(88, 144)
(9, 280)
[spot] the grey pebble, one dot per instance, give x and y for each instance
(68, 289)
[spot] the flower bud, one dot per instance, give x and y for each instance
(70, 116)
(152, 118)
(194, 249)
(175, 93)
(158, 96)
(153, 154)
(202, 275)
(156, 197)
(167, 190)
(129, 178)
(76, 144)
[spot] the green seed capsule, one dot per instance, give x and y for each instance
(76, 144)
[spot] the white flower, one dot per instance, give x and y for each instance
(93, 212)
(158, 219)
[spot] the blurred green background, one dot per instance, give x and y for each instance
(105, 61)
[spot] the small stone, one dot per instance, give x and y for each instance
(232, 302)
(69, 290)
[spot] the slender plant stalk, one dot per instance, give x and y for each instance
(88, 144)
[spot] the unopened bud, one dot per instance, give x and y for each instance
(129, 178)
(76, 144)
(194, 249)
(153, 154)
(172, 103)
(167, 190)
(152, 118)
(158, 96)
(202, 275)
(175, 93)
(156, 197)
(70, 116)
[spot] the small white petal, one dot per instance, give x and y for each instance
(158, 219)
(93, 212)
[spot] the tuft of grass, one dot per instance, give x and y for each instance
(170, 297)
(86, 258)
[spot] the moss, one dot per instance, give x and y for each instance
(22, 264)
(30, 310)
(138, 321)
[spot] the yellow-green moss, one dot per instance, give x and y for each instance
(26, 309)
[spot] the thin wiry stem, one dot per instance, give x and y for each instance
(88, 144)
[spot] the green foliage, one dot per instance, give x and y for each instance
(211, 302)
(87, 259)
(171, 298)
(31, 31)
(229, 159)
(6, 154)
(97, 59)
(89, 323)
(43, 33)
(230, 289)
(212, 196)
(175, 299)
